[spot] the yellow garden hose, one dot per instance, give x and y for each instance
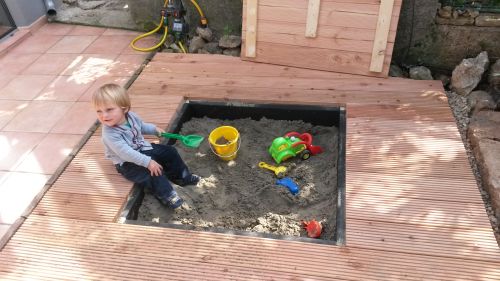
(203, 22)
(149, 33)
(182, 47)
(132, 44)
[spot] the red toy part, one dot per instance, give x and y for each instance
(313, 228)
(307, 141)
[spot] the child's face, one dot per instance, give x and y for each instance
(111, 114)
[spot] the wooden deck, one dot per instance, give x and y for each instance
(413, 208)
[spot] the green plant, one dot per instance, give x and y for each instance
(227, 30)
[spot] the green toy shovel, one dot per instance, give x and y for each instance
(192, 141)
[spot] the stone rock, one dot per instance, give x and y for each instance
(169, 40)
(174, 47)
(494, 76)
(232, 52)
(488, 20)
(495, 93)
(420, 73)
(484, 125)
(445, 12)
(90, 5)
(212, 48)
(70, 2)
(222, 15)
(205, 33)
(196, 43)
(230, 41)
(483, 134)
(488, 159)
(480, 100)
(468, 73)
(396, 71)
(203, 51)
(470, 12)
(455, 21)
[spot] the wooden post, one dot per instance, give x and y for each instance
(312, 18)
(251, 28)
(381, 35)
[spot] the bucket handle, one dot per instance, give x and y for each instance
(230, 155)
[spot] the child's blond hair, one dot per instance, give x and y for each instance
(111, 93)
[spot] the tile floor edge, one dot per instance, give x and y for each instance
(19, 221)
(34, 202)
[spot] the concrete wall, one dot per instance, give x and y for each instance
(224, 16)
(25, 12)
(419, 41)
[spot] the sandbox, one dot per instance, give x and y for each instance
(238, 196)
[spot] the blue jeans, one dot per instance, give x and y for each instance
(174, 169)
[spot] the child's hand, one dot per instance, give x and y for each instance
(155, 168)
(159, 131)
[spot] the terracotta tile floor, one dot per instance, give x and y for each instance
(46, 81)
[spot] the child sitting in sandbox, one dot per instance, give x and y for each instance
(134, 157)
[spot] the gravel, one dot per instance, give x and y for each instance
(461, 109)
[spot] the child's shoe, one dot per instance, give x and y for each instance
(174, 201)
(192, 179)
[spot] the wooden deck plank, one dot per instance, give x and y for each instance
(475, 244)
(401, 112)
(93, 145)
(113, 185)
(163, 80)
(168, 103)
(91, 163)
(154, 115)
(417, 211)
(412, 186)
(95, 246)
(302, 96)
(79, 206)
(406, 147)
(237, 67)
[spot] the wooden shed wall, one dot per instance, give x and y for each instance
(344, 40)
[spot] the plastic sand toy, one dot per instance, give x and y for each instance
(313, 228)
(291, 145)
(290, 184)
(278, 171)
(192, 141)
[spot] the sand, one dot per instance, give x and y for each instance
(239, 195)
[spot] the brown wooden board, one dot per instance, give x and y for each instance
(343, 41)
(107, 251)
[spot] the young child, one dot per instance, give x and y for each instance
(134, 157)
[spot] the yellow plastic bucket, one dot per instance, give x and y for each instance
(230, 144)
